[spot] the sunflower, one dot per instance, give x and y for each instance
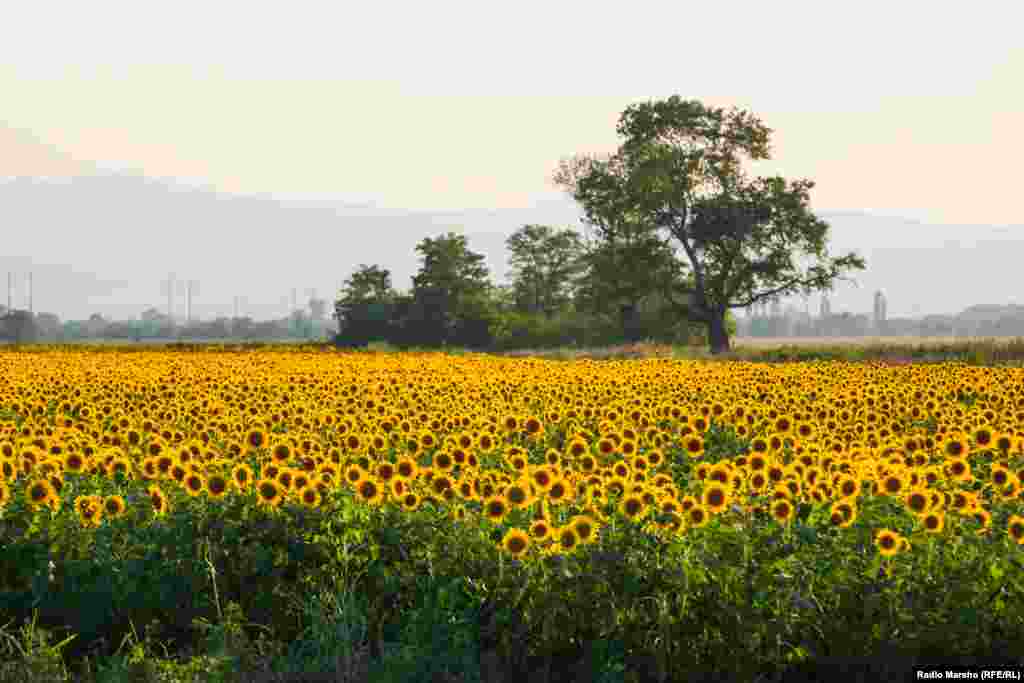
(241, 476)
(495, 508)
(1006, 493)
(113, 506)
(783, 424)
(566, 538)
(888, 542)
(847, 486)
(893, 484)
(406, 468)
(440, 484)
(518, 495)
(310, 497)
(847, 509)
(540, 530)
(194, 484)
(585, 527)
(982, 517)
(955, 447)
(122, 466)
(178, 473)
(1015, 529)
(284, 478)
(559, 491)
(696, 515)
(410, 502)
(40, 493)
(485, 442)
(158, 500)
(354, 474)
(256, 438)
(370, 491)
(782, 510)
(757, 482)
(933, 521)
(300, 480)
(542, 477)
(837, 518)
(1000, 475)
(606, 446)
(281, 452)
(633, 507)
(693, 446)
(983, 437)
(917, 501)
(515, 542)
(164, 464)
(269, 493)
(622, 469)
(443, 461)
(532, 426)
(5, 493)
(73, 462)
(577, 447)
(217, 486)
(89, 510)
(715, 498)
(958, 468)
(719, 473)
(1004, 442)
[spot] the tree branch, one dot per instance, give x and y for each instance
(796, 282)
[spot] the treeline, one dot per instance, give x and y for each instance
(24, 327)
(564, 291)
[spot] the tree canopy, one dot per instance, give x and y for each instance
(544, 263)
(679, 170)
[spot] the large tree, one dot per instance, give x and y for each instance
(364, 308)
(544, 263)
(452, 284)
(623, 266)
(744, 241)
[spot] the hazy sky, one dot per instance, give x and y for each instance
(903, 109)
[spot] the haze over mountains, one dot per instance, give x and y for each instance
(104, 243)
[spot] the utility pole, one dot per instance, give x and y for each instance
(30, 309)
(10, 286)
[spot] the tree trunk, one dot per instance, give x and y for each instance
(718, 336)
(630, 323)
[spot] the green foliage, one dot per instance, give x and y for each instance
(439, 635)
(679, 170)
(544, 264)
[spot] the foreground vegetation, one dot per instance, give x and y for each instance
(275, 513)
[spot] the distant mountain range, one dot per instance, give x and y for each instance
(104, 242)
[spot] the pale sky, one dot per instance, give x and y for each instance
(900, 108)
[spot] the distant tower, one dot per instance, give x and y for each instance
(826, 308)
(879, 310)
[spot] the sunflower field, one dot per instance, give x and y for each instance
(675, 516)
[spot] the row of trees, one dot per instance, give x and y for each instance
(680, 238)
(562, 292)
